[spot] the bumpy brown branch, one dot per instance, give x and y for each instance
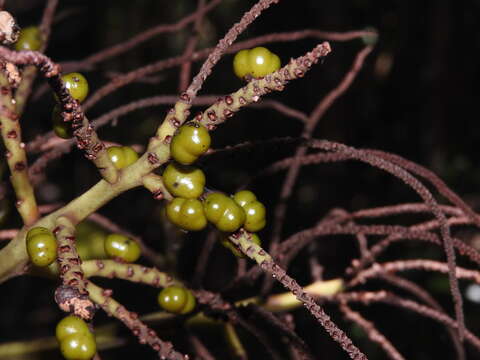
(372, 332)
(262, 258)
(227, 106)
(16, 156)
(72, 295)
(86, 137)
(145, 335)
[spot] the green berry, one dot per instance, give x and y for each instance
(190, 141)
(61, 128)
(70, 325)
(121, 246)
(257, 62)
(30, 38)
(122, 156)
(187, 214)
(78, 347)
(41, 246)
(177, 300)
(76, 85)
(255, 212)
(223, 212)
(90, 241)
(184, 181)
(235, 251)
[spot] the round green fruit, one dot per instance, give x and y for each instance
(223, 212)
(177, 300)
(78, 347)
(184, 181)
(71, 325)
(255, 213)
(122, 247)
(235, 251)
(189, 142)
(60, 128)
(76, 85)
(30, 38)
(187, 214)
(122, 156)
(257, 62)
(41, 246)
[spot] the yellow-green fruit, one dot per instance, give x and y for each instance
(41, 246)
(258, 62)
(76, 85)
(78, 347)
(255, 213)
(177, 300)
(189, 142)
(61, 128)
(70, 325)
(240, 63)
(184, 181)
(187, 214)
(90, 241)
(223, 212)
(121, 246)
(122, 156)
(30, 38)
(229, 245)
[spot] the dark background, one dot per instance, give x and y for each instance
(414, 97)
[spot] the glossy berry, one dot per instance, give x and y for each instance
(256, 62)
(70, 325)
(187, 214)
(61, 128)
(30, 38)
(122, 247)
(254, 210)
(190, 141)
(223, 212)
(177, 300)
(184, 181)
(122, 156)
(229, 245)
(76, 85)
(78, 347)
(41, 246)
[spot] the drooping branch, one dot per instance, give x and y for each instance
(242, 240)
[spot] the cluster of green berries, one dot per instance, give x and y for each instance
(177, 300)
(122, 156)
(77, 86)
(41, 246)
(257, 62)
(186, 183)
(75, 339)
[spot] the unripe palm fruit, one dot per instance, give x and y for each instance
(70, 325)
(223, 212)
(229, 245)
(60, 127)
(30, 38)
(90, 240)
(41, 246)
(122, 247)
(183, 180)
(187, 214)
(177, 300)
(257, 62)
(78, 347)
(122, 156)
(76, 85)
(254, 210)
(189, 142)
